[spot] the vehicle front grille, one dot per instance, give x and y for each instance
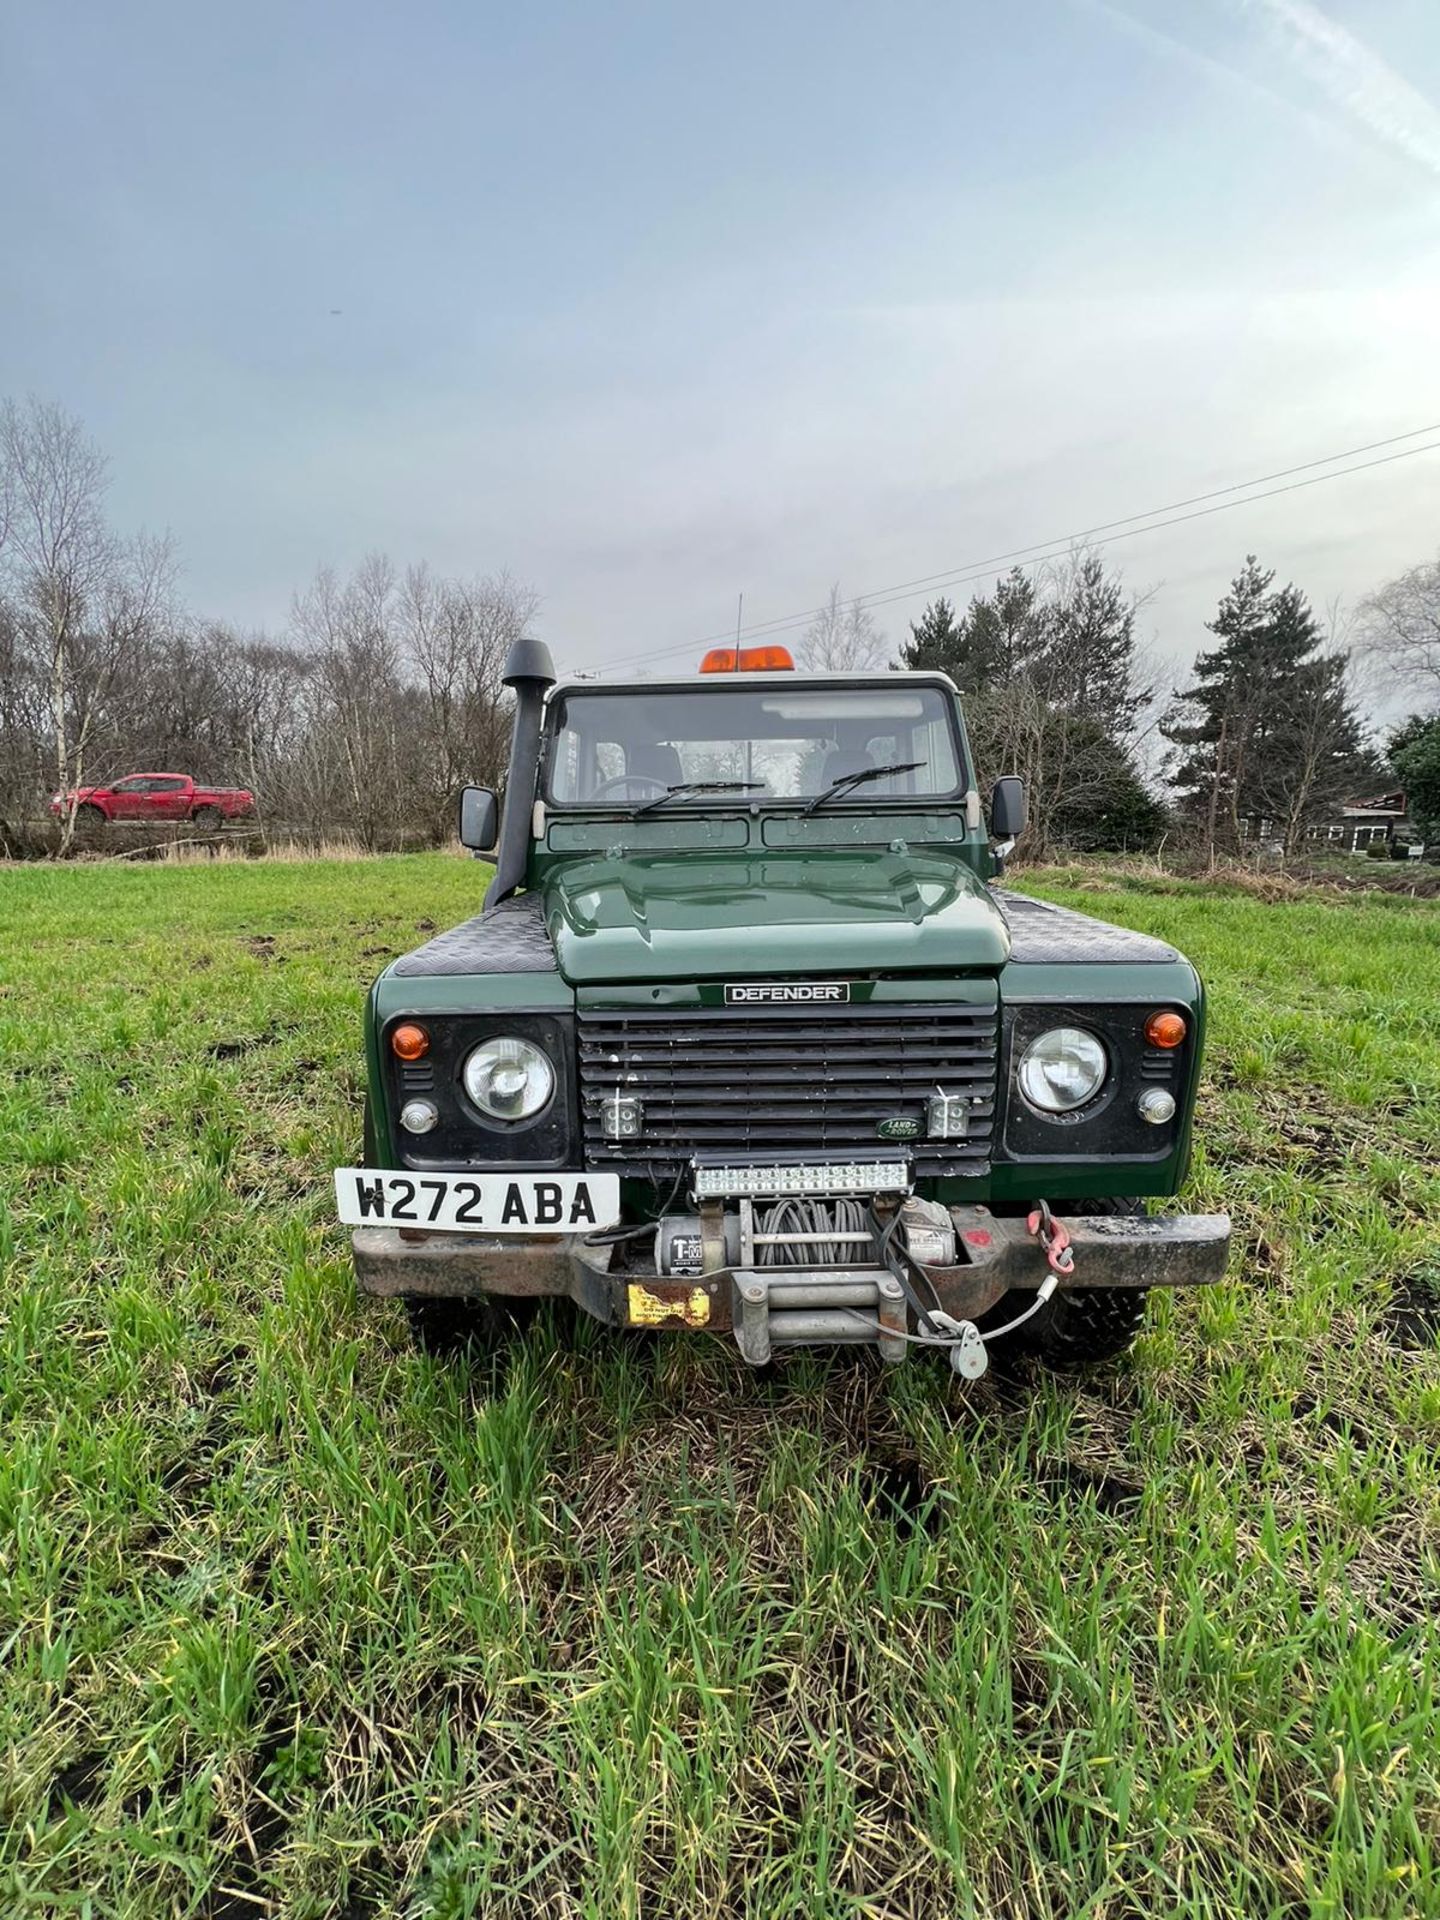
(786, 1083)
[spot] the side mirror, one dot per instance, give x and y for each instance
(479, 818)
(1009, 811)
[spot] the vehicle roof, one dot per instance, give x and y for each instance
(880, 678)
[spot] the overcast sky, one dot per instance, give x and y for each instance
(653, 304)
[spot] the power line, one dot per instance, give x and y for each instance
(1059, 544)
(1172, 506)
(1179, 519)
(955, 576)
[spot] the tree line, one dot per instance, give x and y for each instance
(380, 699)
(1055, 686)
(1262, 740)
(383, 695)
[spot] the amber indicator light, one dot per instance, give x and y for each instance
(409, 1042)
(1166, 1029)
(748, 660)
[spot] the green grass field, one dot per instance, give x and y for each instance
(295, 1621)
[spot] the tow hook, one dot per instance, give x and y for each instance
(1054, 1238)
(968, 1355)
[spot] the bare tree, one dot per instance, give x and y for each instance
(59, 549)
(266, 694)
(1400, 628)
(8, 432)
(456, 635)
(350, 628)
(84, 603)
(22, 719)
(1324, 754)
(407, 692)
(842, 638)
(383, 697)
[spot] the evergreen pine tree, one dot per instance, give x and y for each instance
(1047, 668)
(1008, 633)
(993, 641)
(934, 640)
(1266, 735)
(1110, 810)
(1090, 647)
(1415, 756)
(989, 644)
(1207, 724)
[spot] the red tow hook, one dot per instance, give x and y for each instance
(1054, 1238)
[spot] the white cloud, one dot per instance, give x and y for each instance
(1356, 78)
(1148, 34)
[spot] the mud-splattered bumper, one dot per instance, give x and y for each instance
(1000, 1256)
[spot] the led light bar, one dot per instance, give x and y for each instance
(834, 1176)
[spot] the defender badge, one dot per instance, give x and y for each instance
(781, 993)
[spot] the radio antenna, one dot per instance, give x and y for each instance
(739, 617)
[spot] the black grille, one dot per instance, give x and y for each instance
(778, 1083)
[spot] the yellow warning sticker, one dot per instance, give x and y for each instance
(653, 1306)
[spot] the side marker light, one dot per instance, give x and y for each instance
(1166, 1028)
(409, 1042)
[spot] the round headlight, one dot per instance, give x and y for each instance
(508, 1078)
(1063, 1069)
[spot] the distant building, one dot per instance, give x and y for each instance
(1359, 822)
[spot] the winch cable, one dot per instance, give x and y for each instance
(811, 1218)
(614, 1236)
(895, 1256)
(1047, 1232)
(848, 1216)
(946, 1340)
(1042, 1294)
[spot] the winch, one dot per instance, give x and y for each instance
(809, 1232)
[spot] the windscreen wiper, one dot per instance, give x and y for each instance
(698, 786)
(848, 780)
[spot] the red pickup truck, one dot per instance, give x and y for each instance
(155, 797)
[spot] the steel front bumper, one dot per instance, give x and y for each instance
(1000, 1256)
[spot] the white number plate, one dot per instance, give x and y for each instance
(478, 1202)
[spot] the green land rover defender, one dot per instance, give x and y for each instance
(747, 1041)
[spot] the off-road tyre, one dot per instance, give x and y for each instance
(1086, 1326)
(90, 822)
(207, 819)
(448, 1329)
(440, 1324)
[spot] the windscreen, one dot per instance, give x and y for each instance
(772, 742)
